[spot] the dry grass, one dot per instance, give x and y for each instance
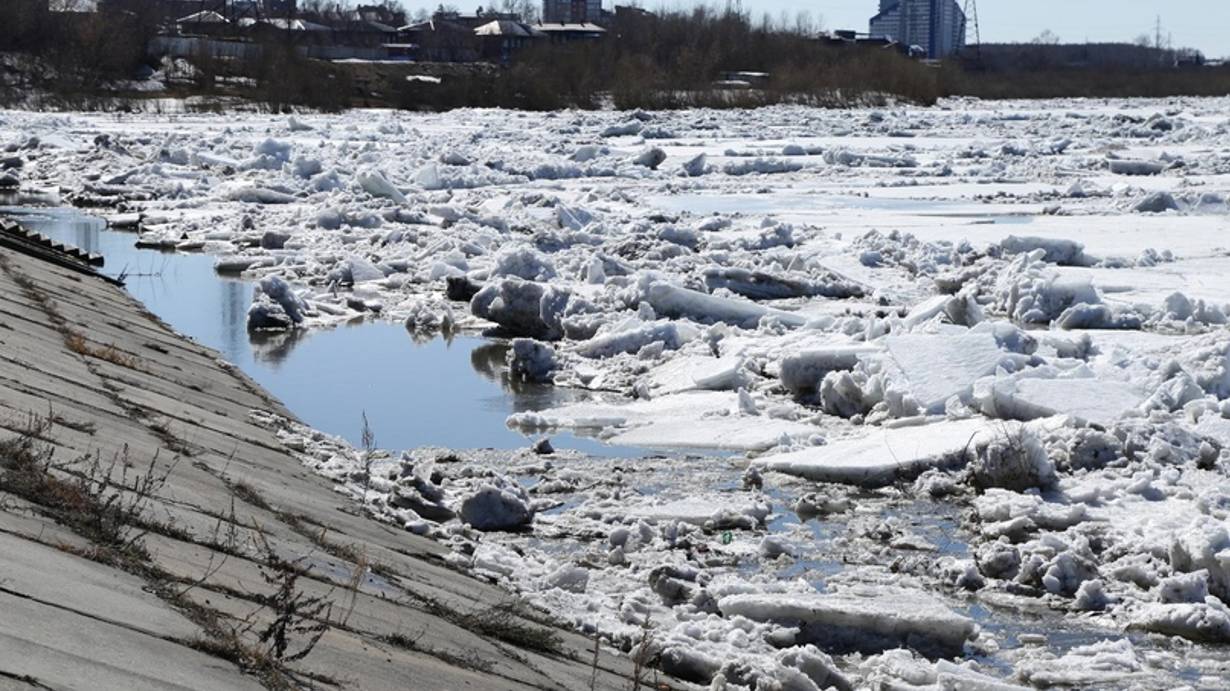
(471, 660)
(84, 494)
(643, 657)
(506, 622)
(78, 344)
(106, 503)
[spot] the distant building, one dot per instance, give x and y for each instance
(567, 33)
(231, 10)
(441, 40)
(936, 26)
(500, 39)
(203, 23)
(571, 11)
(473, 21)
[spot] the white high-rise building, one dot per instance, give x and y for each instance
(936, 26)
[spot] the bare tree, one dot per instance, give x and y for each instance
(1046, 38)
(803, 24)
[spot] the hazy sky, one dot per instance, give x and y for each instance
(1201, 24)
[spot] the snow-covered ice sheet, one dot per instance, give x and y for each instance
(862, 618)
(692, 419)
(933, 369)
(885, 456)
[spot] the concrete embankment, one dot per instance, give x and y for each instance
(151, 536)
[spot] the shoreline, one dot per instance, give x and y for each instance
(137, 391)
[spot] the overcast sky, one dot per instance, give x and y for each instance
(1201, 24)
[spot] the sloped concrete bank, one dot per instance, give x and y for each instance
(151, 536)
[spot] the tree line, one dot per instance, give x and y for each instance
(670, 59)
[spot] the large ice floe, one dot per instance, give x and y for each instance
(931, 397)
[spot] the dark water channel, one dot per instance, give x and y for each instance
(415, 392)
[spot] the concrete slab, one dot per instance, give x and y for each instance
(65, 650)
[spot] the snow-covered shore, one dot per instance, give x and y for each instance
(1016, 310)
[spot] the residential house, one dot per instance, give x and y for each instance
(569, 32)
(500, 39)
(440, 40)
(203, 23)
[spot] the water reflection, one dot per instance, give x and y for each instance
(29, 197)
(488, 360)
(271, 347)
(416, 389)
(235, 300)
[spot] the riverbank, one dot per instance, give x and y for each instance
(154, 533)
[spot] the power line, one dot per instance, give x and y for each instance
(971, 22)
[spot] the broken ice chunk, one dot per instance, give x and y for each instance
(1057, 250)
(496, 508)
(1206, 621)
(376, 184)
(934, 368)
(1103, 664)
(887, 455)
(867, 620)
(275, 305)
(732, 433)
(802, 372)
(523, 308)
(1098, 401)
(676, 302)
(761, 285)
(686, 373)
(714, 512)
(670, 335)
